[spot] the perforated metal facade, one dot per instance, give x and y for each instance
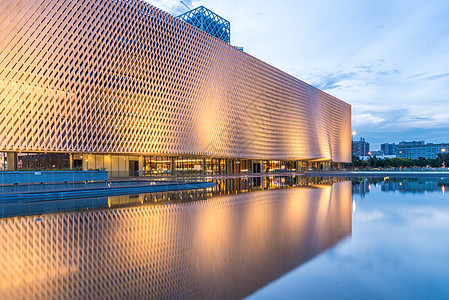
(120, 76)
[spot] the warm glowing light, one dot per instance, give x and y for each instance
(212, 111)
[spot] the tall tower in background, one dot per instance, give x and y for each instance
(360, 148)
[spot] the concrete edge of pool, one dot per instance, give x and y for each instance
(23, 197)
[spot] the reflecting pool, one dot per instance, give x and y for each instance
(262, 238)
(399, 247)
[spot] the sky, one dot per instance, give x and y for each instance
(389, 59)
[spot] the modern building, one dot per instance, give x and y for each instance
(428, 150)
(360, 148)
(376, 153)
(388, 149)
(414, 143)
(365, 158)
(122, 85)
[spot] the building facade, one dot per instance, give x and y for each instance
(124, 86)
(421, 150)
(413, 143)
(388, 148)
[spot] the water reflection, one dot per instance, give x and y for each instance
(222, 187)
(223, 245)
(399, 248)
(401, 185)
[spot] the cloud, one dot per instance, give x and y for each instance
(351, 77)
(388, 73)
(367, 119)
(173, 7)
(436, 76)
(330, 81)
(416, 75)
(367, 69)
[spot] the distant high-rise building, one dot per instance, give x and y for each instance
(376, 153)
(360, 148)
(414, 143)
(420, 150)
(388, 149)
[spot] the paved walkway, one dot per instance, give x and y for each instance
(99, 191)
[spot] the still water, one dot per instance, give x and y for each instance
(262, 238)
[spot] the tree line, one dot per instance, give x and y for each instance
(421, 162)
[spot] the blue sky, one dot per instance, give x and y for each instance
(388, 59)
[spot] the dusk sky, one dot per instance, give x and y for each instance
(388, 59)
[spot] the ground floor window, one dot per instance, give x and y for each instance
(157, 165)
(278, 166)
(153, 165)
(43, 161)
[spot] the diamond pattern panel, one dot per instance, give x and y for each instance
(116, 76)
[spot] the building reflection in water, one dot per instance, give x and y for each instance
(420, 185)
(227, 246)
(222, 187)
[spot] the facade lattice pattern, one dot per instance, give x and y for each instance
(222, 248)
(209, 22)
(116, 76)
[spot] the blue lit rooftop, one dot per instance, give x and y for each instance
(209, 22)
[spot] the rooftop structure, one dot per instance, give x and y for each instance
(209, 22)
(360, 148)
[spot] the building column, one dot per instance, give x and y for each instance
(85, 162)
(204, 166)
(11, 161)
(173, 165)
(140, 173)
(70, 161)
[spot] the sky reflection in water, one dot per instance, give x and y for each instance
(399, 248)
